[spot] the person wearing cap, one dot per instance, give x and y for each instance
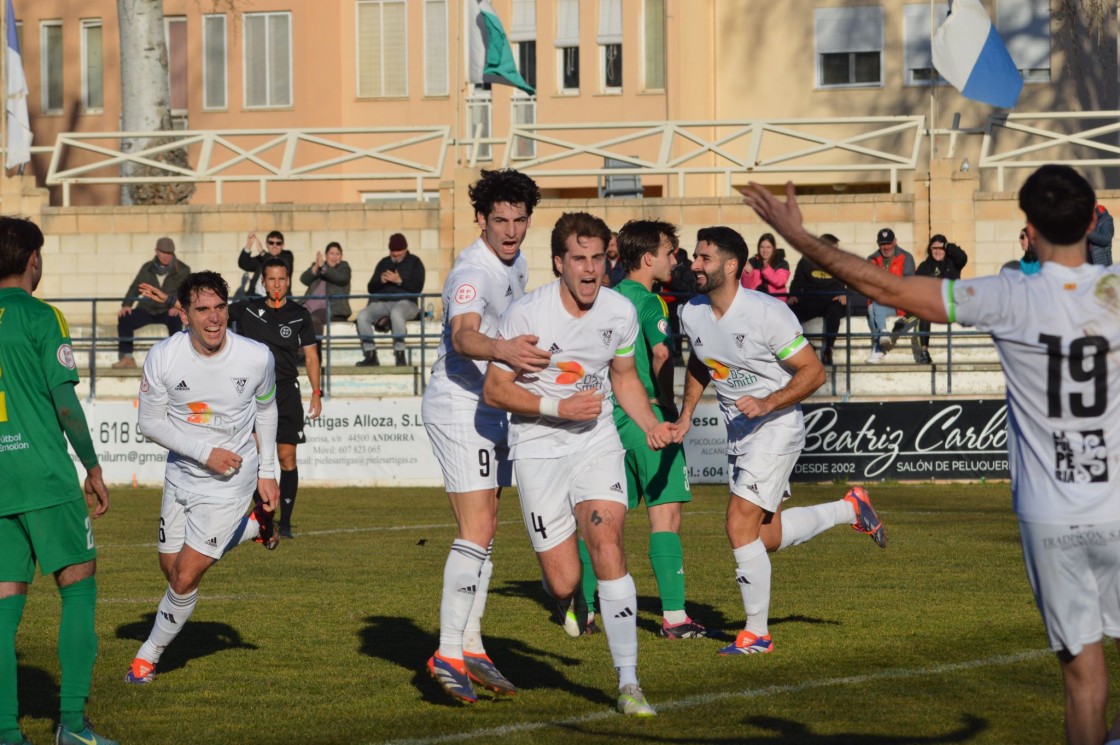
(398, 274)
(899, 263)
(156, 286)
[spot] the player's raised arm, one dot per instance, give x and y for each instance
(918, 295)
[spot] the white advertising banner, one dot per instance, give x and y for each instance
(356, 442)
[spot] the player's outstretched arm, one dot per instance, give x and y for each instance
(808, 376)
(631, 395)
(918, 295)
(520, 352)
(696, 379)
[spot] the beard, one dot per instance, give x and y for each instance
(712, 282)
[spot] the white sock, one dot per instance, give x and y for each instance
(173, 613)
(673, 617)
(618, 605)
(752, 572)
(460, 585)
(799, 524)
(472, 634)
(247, 529)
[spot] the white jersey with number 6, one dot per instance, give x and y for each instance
(582, 350)
(743, 351)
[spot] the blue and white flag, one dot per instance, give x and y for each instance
(968, 53)
(18, 146)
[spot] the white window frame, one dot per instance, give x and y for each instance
(86, 25)
(357, 58)
(287, 14)
(864, 18)
(429, 63)
(481, 101)
(523, 29)
(646, 46)
(523, 110)
(206, 71)
(1025, 47)
(167, 23)
(917, 44)
(566, 38)
(45, 72)
(608, 39)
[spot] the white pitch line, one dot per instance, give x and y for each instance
(711, 698)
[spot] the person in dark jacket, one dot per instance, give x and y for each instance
(814, 293)
(156, 284)
(327, 276)
(399, 273)
(1100, 240)
(252, 258)
(944, 260)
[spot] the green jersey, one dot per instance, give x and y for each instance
(35, 357)
(653, 329)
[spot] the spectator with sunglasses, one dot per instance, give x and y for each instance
(254, 254)
(1029, 264)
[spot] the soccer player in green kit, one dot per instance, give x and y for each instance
(660, 478)
(43, 517)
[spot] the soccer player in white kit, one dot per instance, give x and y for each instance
(752, 346)
(567, 455)
(200, 395)
(1058, 337)
(467, 436)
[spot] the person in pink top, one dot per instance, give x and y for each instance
(767, 271)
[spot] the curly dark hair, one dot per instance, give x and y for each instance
(196, 282)
(503, 185)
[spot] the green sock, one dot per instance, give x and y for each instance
(77, 649)
(666, 556)
(11, 611)
(587, 579)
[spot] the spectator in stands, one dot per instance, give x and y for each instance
(399, 273)
(1029, 264)
(156, 284)
(616, 272)
(327, 276)
(252, 258)
(767, 271)
(900, 263)
(944, 260)
(817, 294)
(1100, 240)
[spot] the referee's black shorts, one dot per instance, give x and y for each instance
(290, 406)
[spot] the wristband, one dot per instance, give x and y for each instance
(550, 407)
(316, 393)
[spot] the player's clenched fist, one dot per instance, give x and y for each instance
(752, 407)
(582, 406)
(223, 462)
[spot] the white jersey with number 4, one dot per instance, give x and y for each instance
(582, 350)
(479, 283)
(1058, 337)
(743, 351)
(209, 402)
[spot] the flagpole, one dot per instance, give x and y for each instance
(4, 86)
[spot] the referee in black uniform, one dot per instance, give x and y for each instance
(284, 326)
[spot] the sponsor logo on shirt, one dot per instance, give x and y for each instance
(1080, 457)
(616, 487)
(66, 356)
(509, 290)
(465, 294)
(697, 342)
(719, 370)
(182, 386)
(554, 349)
(571, 372)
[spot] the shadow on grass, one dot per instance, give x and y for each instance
(400, 641)
(197, 639)
(38, 693)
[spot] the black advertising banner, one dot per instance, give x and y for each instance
(904, 441)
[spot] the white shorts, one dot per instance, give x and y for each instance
(205, 523)
(1075, 576)
(472, 456)
(761, 478)
(550, 489)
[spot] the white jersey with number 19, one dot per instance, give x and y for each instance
(1058, 337)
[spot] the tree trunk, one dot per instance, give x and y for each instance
(145, 100)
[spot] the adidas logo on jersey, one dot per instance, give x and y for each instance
(698, 343)
(469, 589)
(509, 290)
(554, 349)
(182, 386)
(625, 613)
(617, 487)
(212, 542)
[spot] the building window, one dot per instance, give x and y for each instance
(93, 67)
(175, 28)
(382, 49)
(653, 45)
(268, 60)
(50, 45)
(849, 46)
(1024, 26)
(523, 112)
(479, 113)
(523, 36)
(215, 89)
(916, 32)
(610, 45)
(435, 48)
(567, 44)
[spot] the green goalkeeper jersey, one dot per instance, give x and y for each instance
(653, 329)
(35, 357)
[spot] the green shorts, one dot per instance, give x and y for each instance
(54, 537)
(658, 476)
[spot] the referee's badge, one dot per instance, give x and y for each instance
(285, 331)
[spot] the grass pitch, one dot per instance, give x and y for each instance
(933, 640)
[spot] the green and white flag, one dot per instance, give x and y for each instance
(491, 59)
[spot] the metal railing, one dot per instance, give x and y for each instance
(1032, 143)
